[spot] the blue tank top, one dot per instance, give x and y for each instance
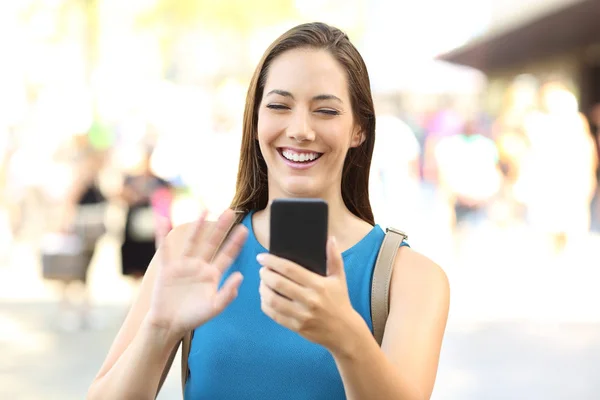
(243, 354)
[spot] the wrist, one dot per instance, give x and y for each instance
(348, 343)
(159, 335)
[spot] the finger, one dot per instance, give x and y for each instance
(162, 230)
(335, 263)
(289, 269)
(164, 248)
(279, 318)
(282, 285)
(208, 249)
(279, 309)
(228, 292)
(191, 244)
(231, 248)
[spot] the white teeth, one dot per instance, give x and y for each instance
(299, 157)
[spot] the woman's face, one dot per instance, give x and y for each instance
(305, 124)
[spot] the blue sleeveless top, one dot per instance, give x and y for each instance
(243, 354)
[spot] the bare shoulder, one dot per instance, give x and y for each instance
(417, 275)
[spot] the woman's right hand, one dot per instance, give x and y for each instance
(186, 292)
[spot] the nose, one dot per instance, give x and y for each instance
(300, 128)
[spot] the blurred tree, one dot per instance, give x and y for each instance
(173, 20)
(90, 10)
(241, 16)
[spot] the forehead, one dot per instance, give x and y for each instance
(308, 72)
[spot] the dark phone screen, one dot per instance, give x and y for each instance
(299, 232)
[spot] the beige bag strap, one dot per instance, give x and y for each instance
(186, 341)
(186, 344)
(167, 368)
(382, 274)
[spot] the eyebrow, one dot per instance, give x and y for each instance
(319, 97)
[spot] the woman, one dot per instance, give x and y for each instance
(285, 332)
(69, 248)
(469, 172)
(508, 131)
(559, 173)
(141, 192)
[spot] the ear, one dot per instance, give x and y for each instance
(358, 137)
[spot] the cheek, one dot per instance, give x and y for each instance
(268, 128)
(338, 137)
(268, 131)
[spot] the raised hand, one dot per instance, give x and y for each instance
(186, 292)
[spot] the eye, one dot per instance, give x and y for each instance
(328, 111)
(277, 107)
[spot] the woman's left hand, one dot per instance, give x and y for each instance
(317, 307)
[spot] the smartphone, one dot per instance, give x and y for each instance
(299, 232)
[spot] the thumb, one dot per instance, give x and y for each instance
(227, 293)
(335, 263)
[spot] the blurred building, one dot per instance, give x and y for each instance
(544, 38)
(398, 45)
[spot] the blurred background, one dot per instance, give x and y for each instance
(113, 112)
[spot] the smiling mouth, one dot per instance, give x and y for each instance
(299, 157)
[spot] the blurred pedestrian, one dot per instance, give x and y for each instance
(508, 131)
(469, 172)
(394, 179)
(147, 197)
(559, 180)
(69, 248)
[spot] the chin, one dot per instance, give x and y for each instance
(301, 187)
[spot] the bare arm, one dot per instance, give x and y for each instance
(405, 367)
(179, 293)
(139, 353)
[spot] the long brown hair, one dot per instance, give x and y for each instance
(251, 187)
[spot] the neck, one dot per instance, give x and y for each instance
(340, 218)
(347, 228)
